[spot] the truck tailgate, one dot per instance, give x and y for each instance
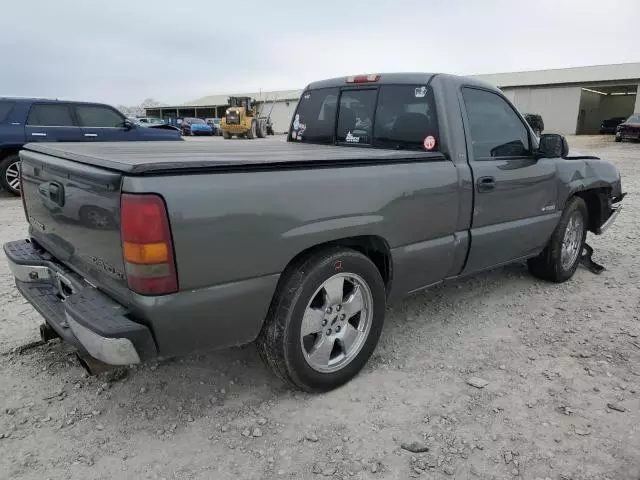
(73, 211)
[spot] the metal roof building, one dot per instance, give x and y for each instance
(280, 105)
(570, 100)
(573, 100)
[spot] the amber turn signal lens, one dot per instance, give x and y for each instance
(146, 253)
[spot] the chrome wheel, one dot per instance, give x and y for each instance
(336, 322)
(572, 241)
(12, 176)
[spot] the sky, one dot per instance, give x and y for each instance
(122, 52)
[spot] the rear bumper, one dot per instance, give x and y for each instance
(79, 313)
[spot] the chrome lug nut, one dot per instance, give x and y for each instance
(342, 317)
(329, 332)
(324, 322)
(328, 310)
(338, 329)
(338, 308)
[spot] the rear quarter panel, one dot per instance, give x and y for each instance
(233, 226)
(234, 233)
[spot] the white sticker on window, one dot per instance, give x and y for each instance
(307, 96)
(350, 138)
(296, 122)
(420, 92)
(294, 135)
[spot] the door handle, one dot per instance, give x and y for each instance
(486, 184)
(38, 134)
(90, 134)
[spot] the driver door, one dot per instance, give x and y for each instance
(515, 208)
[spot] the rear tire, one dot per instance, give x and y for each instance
(262, 130)
(618, 139)
(316, 289)
(561, 257)
(10, 174)
(226, 135)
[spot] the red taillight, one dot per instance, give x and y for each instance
(24, 201)
(146, 245)
(374, 77)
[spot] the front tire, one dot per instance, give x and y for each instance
(251, 133)
(10, 174)
(226, 135)
(325, 320)
(560, 258)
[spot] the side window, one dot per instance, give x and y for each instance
(496, 130)
(5, 110)
(355, 116)
(98, 116)
(315, 117)
(406, 117)
(50, 115)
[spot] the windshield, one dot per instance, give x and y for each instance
(404, 117)
(194, 120)
(633, 119)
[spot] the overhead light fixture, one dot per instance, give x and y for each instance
(594, 91)
(623, 93)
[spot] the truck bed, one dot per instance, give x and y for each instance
(149, 158)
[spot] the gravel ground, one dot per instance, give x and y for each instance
(558, 367)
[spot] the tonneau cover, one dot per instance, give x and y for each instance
(140, 158)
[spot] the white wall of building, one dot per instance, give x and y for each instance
(637, 107)
(280, 115)
(557, 105)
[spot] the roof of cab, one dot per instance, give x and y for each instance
(411, 78)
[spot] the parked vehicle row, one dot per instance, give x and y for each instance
(387, 184)
(195, 126)
(25, 120)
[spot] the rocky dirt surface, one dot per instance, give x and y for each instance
(500, 376)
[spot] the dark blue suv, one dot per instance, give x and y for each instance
(25, 120)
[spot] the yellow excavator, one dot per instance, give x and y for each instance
(241, 119)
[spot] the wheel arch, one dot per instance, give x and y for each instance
(7, 150)
(374, 247)
(596, 200)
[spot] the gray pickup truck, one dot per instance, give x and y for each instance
(387, 184)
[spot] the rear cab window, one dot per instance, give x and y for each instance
(5, 110)
(384, 116)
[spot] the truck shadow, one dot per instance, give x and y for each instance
(219, 385)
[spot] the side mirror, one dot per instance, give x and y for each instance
(128, 124)
(552, 145)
